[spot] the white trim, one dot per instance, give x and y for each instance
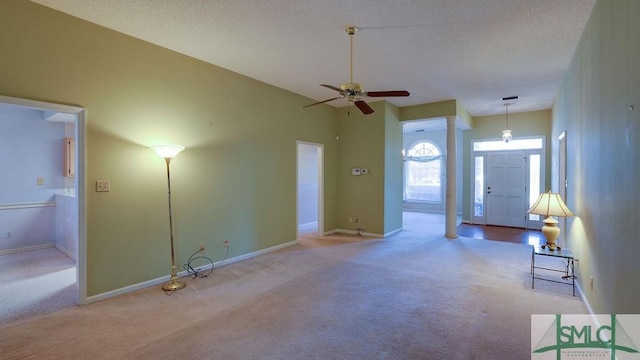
(564, 133)
(27, 205)
(393, 232)
(354, 232)
(477, 220)
(80, 179)
(27, 248)
(320, 153)
(39, 105)
(308, 227)
(66, 252)
(584, 298)
(163, 279)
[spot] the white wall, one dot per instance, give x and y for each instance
(32, 148)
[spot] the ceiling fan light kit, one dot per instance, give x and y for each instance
(354, 92)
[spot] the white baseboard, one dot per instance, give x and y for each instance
(66, 252)
(26, 248)
(390, 233)
(163, 279)
(584, 298)
(353, 232)
(367, 234)
(308, 227)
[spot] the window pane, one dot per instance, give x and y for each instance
(534, 183)
(424, 149)
(478, 203)
(516, 144)
(423, 178)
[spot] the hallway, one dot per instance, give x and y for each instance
(416, 220)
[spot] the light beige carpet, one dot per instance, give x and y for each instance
(415, 295)
(35, 283)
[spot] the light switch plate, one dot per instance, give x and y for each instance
(103, 185)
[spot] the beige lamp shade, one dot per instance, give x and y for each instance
(550, 204)
(167, 151)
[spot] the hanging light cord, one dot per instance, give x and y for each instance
(507, 114)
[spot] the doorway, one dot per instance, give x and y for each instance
(77, 114)
(507, 179)
(310, 188)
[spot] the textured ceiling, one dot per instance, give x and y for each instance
(475, 51)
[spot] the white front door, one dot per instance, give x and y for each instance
(506, 199)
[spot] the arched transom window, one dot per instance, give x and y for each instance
(423, 168)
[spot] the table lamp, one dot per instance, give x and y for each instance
(550, 204)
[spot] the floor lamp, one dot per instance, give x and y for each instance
(168, 152)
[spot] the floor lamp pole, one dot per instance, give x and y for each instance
(174, 283)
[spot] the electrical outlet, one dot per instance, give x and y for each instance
(9, 235)
(226, 243)
(201, 247)
(356, 220)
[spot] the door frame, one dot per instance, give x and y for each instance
(80, 183)
(563, 183)
(320, 182)
(482, 220)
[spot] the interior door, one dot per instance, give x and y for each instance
(506, 188)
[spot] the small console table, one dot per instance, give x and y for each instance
(568, 278)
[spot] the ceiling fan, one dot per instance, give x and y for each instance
(353, 92)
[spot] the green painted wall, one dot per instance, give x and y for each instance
(603, 155)
(372, 142)
(361, 145)
(429, 111)
(237, 178)
(533, 123)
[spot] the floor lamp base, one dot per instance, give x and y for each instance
(173, 285)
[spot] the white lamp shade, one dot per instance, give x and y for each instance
(167, 151)
(550, 204)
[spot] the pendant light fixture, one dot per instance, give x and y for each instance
(506, 133)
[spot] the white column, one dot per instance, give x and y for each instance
(451, 216)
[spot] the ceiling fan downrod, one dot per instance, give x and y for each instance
(351, 30)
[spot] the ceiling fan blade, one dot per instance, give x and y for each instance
(364, 107)
(332, 87)
(324, 101)
(387, 93)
